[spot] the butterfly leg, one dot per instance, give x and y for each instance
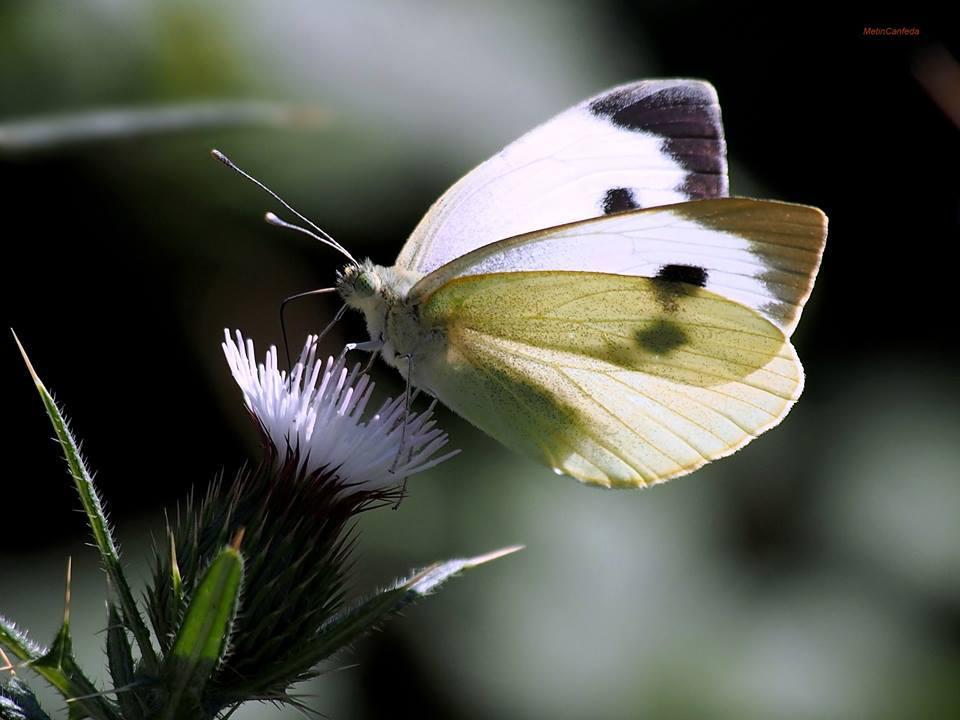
(373, 358)
(283, 322)
(336, 319)
(372, 346)
(407, 401)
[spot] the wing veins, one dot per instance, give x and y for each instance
(722, 380)
(520, 401)
(675, 412)
(644, 440)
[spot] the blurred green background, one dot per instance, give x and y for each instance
(814, 574)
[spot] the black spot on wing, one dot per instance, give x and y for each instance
(689, 274)
(619, 200)
(686, 115)
(661, 337)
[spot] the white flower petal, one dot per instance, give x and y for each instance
(318, 410)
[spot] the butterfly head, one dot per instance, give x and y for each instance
(365, 287)
(359, 283)
(374, 288)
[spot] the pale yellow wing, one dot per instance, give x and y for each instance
(616, 380)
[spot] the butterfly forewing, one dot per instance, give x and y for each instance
(649, 143)
(758, 253)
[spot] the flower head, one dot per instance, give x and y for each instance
(316, 413)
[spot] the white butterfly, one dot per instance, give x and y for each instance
(642, 333)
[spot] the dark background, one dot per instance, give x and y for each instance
(832, 543)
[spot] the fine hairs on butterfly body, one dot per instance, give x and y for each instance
(381, 294)
(592, 298)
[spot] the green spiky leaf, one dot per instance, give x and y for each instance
(17, 643)
(57, 666)
(202, 639)
(166, 596)
(93, 508)
(370, 613)
(120, 664)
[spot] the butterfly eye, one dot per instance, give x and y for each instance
(366, 284)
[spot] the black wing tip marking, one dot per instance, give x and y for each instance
(688, 274)
(704, 185)
(685, 114)
(672, 108)
(619, 200)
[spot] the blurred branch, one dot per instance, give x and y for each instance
(939, 74)
(44, 133)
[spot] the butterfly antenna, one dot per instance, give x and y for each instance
(321, 235)
(325, 239)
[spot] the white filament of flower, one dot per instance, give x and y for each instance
(318, 411)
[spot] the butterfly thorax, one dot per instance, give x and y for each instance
(381, 294)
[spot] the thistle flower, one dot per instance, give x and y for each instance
(327, 461)
(250, 589)
(316, 414)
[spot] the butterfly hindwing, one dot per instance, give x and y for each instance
(615, 380)
(649, 143)
(759, 253)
